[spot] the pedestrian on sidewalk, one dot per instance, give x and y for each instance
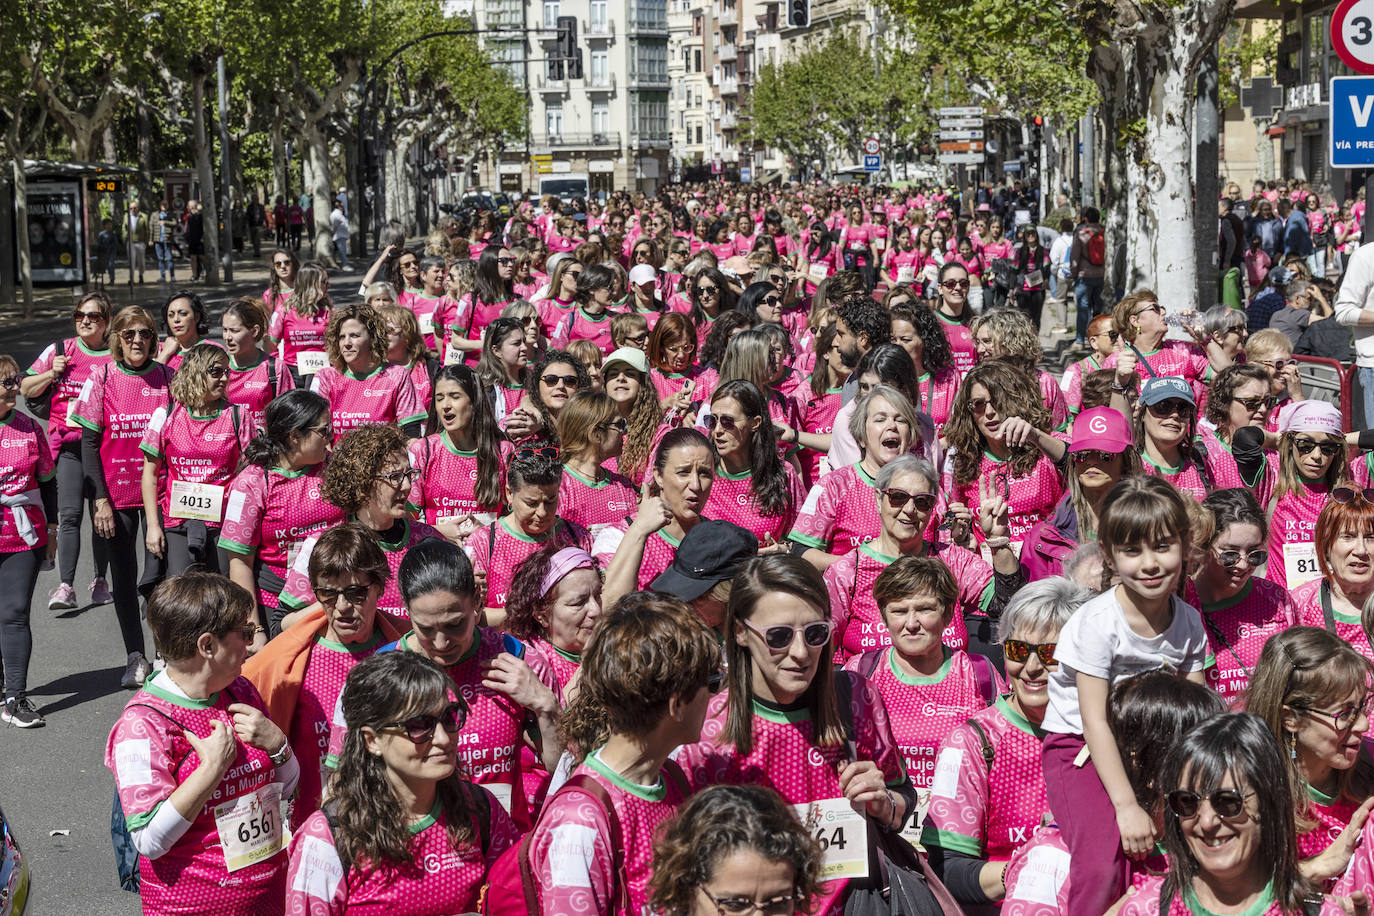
(139, 236)
(162, 244)
(1087, 270)
(338, 225)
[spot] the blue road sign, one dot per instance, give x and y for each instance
(873, 163)
(1352, 122)
(746, 173)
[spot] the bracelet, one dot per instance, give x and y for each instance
(1005, 866)
(1120, 389)
(998, 543)
(892, 821)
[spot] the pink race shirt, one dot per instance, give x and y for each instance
(840, 512)
(578, 325)
(1145, 902)
(119, 402)
(732, 500)
(595, 505)
(298, 593)
(937, 393)
(437, 881)
(26, 458)
(1308, 599)
(297, 333)
(271, 512)
(150, 757)
(471, 318)
(1187, 477)
(924, 710)
(818, 416)
(659, 550)
(1072, 382)
(570, 848)
(498, 548)
(787, 759)
(254, 387)
(1237, 629)
(384, 395)
(425, 308)
(1038, 876)
(987, 811)
(193, 449)
(1179, 358)
(1032, 498)
(447, 485)
(960, 340)
(1292, 528)
(81, 360)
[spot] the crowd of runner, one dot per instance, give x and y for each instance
(726, 552)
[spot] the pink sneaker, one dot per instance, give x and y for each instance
(62, 598)
(100, 591)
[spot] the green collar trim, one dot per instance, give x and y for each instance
(127, 370)
(868, 550)
(1210, 606)
(289, 475)
(654, 793)
(351, 648)
(742, 475)
(89, 352)
(920, 681)
(518, 535)
(871, 482)
(1016, 719)
(1318, 796)
(594, 484)
(1164, 469)
(574, 657)
(233, 363)
(427, 821)
(782, 716)
(184, 702)
(596, 319)
(349, 373)
(453, 449)
(1266, 900)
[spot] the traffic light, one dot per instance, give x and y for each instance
(1037, 138)
(798, 14)
(567, 36)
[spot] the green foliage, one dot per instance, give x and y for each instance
(1246, 49)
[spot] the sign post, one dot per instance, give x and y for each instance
(1352, 38)
(961, 136)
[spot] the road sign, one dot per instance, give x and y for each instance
(746, 173)
(1352, 34)
(1352, 122)
(871, 146)
(960, 122)
(961, 158)
(961, 146)
(873, 163)
(1011, 165)
(961, 134)
(970, 111)
(1262, 97)
(542, 157)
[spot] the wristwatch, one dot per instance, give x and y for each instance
(282, 755)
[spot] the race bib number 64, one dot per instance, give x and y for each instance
(842, 834)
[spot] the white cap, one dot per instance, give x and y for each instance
(643, 273)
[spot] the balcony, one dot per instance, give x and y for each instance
(646, 23)
(729, 121)
(727, 16)
(728, 86)
(601, 82)
(649, 81)
(570, 140)
(727, 52)
(651, 141)
(598, 31)
(548, 83)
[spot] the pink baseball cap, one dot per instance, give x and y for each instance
(1311, 417)
(1101, 428)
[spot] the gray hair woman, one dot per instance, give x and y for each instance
(997, 755)
(1227, 327)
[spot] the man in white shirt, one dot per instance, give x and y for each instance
(138, 237)
(338, 224)
(1355, 309)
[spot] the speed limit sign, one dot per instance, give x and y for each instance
(1352, 34)
(872, 147)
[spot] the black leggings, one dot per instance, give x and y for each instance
(1031, 302)
(125, 548)
(19, 575)
(72, 497)
(179, 557)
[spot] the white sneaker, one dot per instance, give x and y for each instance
(135, 672)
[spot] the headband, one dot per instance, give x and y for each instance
(562, 563)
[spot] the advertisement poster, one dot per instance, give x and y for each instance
(56, 233)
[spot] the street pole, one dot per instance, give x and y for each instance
(1089, 158)
(1205, 182)
(226, 209)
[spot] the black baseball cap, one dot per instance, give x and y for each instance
(711, 552)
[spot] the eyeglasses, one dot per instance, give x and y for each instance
(898, 498)
(1275, 365)
(399, 478)
(216, 370)
(1227, 803)
(1343, 719)
(1110, 335)
(505, 260)
(955, 284)
(1167, 408)
(1094, 454)
(1018, 651)
(1152, 307)
(353, 594)
(129, 335)
(715, 682)
(1304, 446)
(707, 290)
(1253, 558)
(681, 350)
(549, 452)
(420, 729)
(246, 631)
(977, 406)
(637, 339)
(619, 424)
(779, 636)
(783, 905)
(1255, 403)
(87, 316)
(288, 263)
(326, 430)
(725, 421)
(552, 380)
(1345, 495)
(9, 382)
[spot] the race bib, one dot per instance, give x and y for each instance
(842, 834)
(202, 501)
(250, 827)
(1300, 563)
(816, 272)
(1035, 278)
(502, 793)
(308, 362)
(452, 355)
(906, 274)
(71, 415)
(426, 323)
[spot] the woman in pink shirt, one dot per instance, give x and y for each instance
(590, 433)
(299, 324)
(591, 318)
(754, 487)
(28, 532)
(955, 315)
(562, 294)
(506, 353)
(116, 405)
(403, 830)
(184, 318)
(491, 291)
(191, 451)
(817, 257)
(405, 346)
(283, 279)
(255, 377)
(429, 304)
(855, 241)
(1309, 465)
(360, 384)
(64, 367)
(1344, 541)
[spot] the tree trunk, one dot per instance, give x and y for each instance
(145, 149)
(278, 141)
(21, 229)
(208, 202)
(1264, 151)
(317, 157)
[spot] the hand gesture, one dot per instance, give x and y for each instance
(216, 750)
(521, 424)
(863, 784)
(1125, 363)
(59, 365)
(654, 513)
(511, 677)
(253, 727)
(1333, 861)
(1017, 432)
(993, 511)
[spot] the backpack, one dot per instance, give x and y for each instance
(513, 890)
(1097, 247)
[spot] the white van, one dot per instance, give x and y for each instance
(566, 186)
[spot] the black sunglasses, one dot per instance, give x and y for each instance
(87, 316)
(545, 451)
(1018, 651)
(1344, 495)
(1093, 454)
(1166, 408)
(1230, 558)
(353, 594)
(1305, 446)
(420, 729)
(129, 335)
(216, 370)
(9, 382)
(1226, 803)
(898, 498)
(551, 380)
(1253, 404)
(725, 421)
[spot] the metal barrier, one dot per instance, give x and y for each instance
(1329, 380)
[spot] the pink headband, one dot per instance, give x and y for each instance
(564, 562)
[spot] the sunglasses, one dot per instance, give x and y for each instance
(87, 316)
(1018, 651)
(552, 380)
(1094, 454)
(1344, 495)
(327, 430)
(420, 729)
(549, 452)
(1227, 803)
(619, 424)
(772, 301)
(9, 382)
(778, 637)
(288, 263)
(977, 406)
(1275, 365)
(246, 631)
(217, 371)
(1110, 335)
(1232, 558)
(505, 260)
(353, 594)
(1168, 408)
(707, 290)
(955, 284)
(1255, 403)
(1304, 446)
(898, 498)
(783, 905)
(1344, 718)
(399, 478)
(1152, 307)
(131, 334)
(725, 421)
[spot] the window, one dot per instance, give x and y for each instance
(699, 136)
(553, 121)
(600, 68)
(550, 14)
(696, 60)
(601, 118)
(597, 17)
(650, 115)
